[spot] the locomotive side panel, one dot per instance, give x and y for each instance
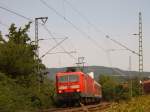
(97, 90)
(88, 85)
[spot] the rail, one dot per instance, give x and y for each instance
(82, 108)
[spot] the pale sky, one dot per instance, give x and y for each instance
(116, 18)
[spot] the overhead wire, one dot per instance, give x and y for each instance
(106, 35)
(53, 48)
(90, 24)
(97, 29)
(83, 17)
(82, 32)
(29, 19)
(57, 42)
(62, 52)
(13, 12)
(73, 25)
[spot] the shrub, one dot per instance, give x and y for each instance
(15, 97)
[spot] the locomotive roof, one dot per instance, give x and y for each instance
(70, 72)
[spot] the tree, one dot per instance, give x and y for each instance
(17, 55)
(136, 87)
(19, 87)
(112, 90)
(108, 87)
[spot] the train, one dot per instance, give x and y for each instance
(146, 86)
(77, 87)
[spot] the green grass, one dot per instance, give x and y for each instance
(137, 104)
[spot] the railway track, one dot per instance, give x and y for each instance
(88, 108)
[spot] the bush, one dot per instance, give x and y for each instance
(12, 96)
(15, 97)
(111, 90)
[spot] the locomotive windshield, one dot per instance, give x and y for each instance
(63, 78)
(73, 78)
(68, 78)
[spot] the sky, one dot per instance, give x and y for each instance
(86, 24)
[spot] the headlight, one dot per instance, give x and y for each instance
(62, 87)
(59, 91)
(74, 86)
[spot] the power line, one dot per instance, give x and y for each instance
(83, 17)
(83, 33)
(62, 52)
(97, 29)
(13, 12)
(53, 47)
(91, 24)
(29, 19)
(57, 42)
(74, 26)
(115, 41)
(108, 37)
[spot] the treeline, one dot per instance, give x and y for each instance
(22, 87)
(113, 90)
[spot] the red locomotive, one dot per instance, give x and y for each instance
(76, 86)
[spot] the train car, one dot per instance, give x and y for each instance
(74, 87)
(146, 86)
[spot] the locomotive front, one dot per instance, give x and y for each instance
(68, 86)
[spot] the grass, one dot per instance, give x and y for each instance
(137, 104)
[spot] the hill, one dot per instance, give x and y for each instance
(101, 70)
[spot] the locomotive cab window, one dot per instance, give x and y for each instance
(63, 78)
(73, 78)
(68, 78)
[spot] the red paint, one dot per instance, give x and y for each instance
(87, 85)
